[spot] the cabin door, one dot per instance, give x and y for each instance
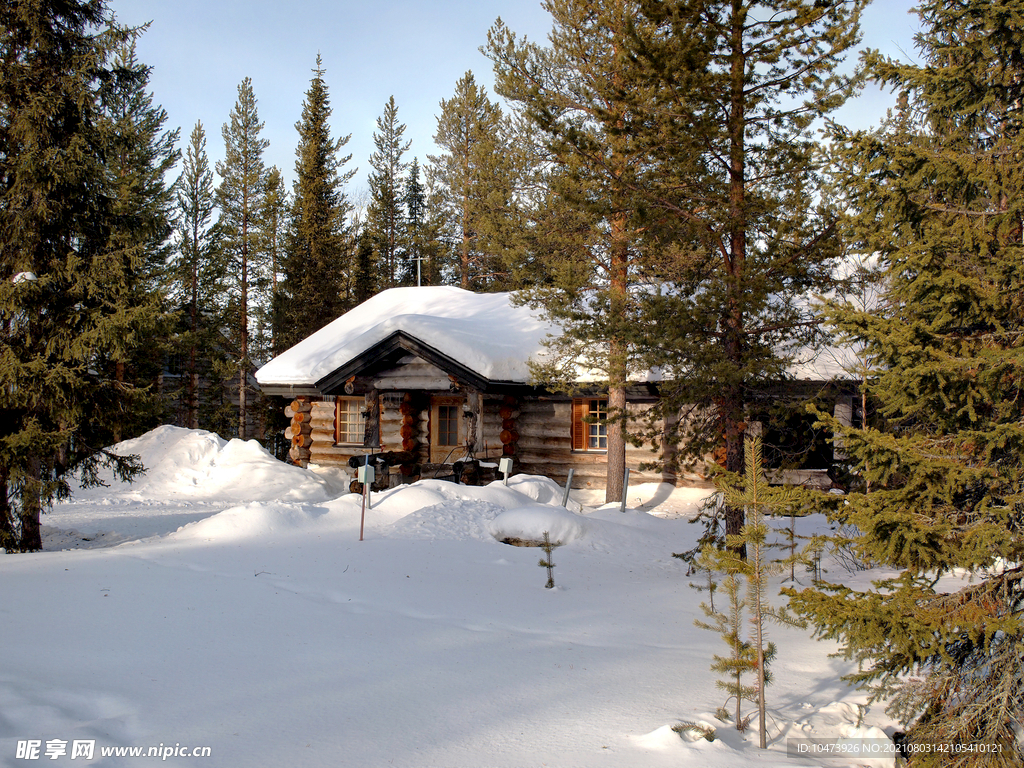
(447, 430)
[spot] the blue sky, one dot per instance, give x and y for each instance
(414, 50)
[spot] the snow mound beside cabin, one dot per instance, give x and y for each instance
(530, 523)
(195, 464)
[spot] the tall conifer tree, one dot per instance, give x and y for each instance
(688, 122)
(938, 194)
(274, 234)
(139, 155)
(475, 172)
(66, 289)
(384, 216)
(586, 231)
(240, 198)
(734, 89)
(421, 231)
(414, 201)
(198, 286)
(317, 272)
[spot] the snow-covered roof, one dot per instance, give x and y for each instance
(483, 332)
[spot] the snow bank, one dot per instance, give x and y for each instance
(183, 463)
(259, 520)
(532, 522)
(427, 510)
(264, 628)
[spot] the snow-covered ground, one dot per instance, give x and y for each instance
(225, 601)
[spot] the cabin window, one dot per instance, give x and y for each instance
(349, 422)
(590, 424)
(448, 424)
(446, 428)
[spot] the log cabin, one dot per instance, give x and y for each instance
(435, 377)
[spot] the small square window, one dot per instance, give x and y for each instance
(448, 425)
(349, 422)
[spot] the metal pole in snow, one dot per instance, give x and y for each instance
(568, 485)
(366, 492)
(625, 489)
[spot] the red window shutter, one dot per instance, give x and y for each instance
(579, 427)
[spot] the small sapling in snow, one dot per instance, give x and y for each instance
(546, 561)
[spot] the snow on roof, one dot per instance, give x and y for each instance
(485, 332)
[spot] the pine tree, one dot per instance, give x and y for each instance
(139, 155)
(66, 288)
(585, 230)
(384, 216)
(937, 193)
(274, 223)
(477, 177)
(199, 283)
(725, 102)
(240, 199)
(316, 284)
(440, 259)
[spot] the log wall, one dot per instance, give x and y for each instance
(545, 448)
(535, 431)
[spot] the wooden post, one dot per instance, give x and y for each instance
(625, 489)
(568, 486)
(480, 444)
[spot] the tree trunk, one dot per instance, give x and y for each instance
(7, 533)
(618, 360)
(31, 507)
(119, 378)
(243, 332)
(464, 245)
(616, 444)
(192, 390)
(732, 402)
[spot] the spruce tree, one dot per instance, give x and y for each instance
(364, 282)
(240, 199)
(938, 194)
(67, 290)
(414, 233)
(384, 216)
(198, 286)
(316, 267)
(139, 155)
(752, 493)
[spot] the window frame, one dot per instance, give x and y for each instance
(356, 405)
(440, 453)
(582, 432)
